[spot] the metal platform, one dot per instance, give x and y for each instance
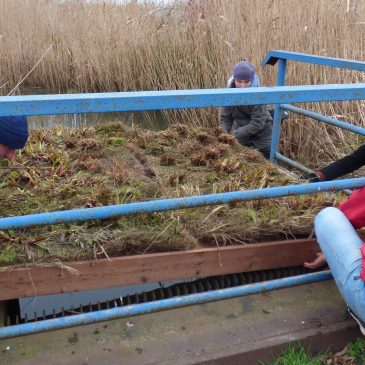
(236, 331)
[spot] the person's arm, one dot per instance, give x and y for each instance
(258, 118)
(340, 167)
(226, 119)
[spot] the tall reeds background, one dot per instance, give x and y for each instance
(125, 46)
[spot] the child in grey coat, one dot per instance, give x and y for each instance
(250, 124)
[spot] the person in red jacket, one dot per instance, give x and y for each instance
(344, 251)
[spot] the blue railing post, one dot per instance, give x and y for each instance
(275, 139)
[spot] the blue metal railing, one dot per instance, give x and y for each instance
(175, 99)
(160, 305)
(322, 118)
(275, 55)
(155, 100)
(112, 211)
(281, 57)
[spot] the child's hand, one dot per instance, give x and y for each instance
(319, 261)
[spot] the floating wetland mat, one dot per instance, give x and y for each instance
(64, 169)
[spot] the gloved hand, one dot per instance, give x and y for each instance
(312, 177)
(240, 133)
(284, 114)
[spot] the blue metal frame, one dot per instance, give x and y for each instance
(165, 304)
(281, 57)
(275, 139)
(273, 56)
(112, 211)
(175, 99)
(322, 118)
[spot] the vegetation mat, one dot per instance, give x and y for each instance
(64, 169)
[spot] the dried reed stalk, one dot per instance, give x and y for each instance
(131, 45)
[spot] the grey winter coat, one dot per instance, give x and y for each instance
(250, 124)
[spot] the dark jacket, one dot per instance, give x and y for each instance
(344, 166)
(250, 124)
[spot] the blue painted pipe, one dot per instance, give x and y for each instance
(174, 99)
(276, 128)
(292, 163)
(146, 308)
(299, 166)
(112, 211)
(323, 118)
(273, 56)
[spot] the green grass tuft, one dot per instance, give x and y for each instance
(297, 355)
(356, 350)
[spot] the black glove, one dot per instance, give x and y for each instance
(284, 114)
(312, 177)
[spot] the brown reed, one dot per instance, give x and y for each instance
(114, 46)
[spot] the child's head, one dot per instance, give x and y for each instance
(13, 135)
(243, 74)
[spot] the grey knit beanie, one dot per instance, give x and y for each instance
(244, 71)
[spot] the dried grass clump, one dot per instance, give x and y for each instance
(181, 129)
(187, 147)
(212, 153)
(120, 173)
(198, 160)
(227, 166)
(52, 174)
(167, 160)
(86, 144)
(89, 132)
(176, 178)
(226, 138)
(170, 135)
(217, 131)
(205, 138)
(90, 164)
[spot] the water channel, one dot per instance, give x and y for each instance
(153, 120)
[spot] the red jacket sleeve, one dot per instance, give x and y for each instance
(354, 208)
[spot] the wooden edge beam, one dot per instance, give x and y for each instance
(140, 269)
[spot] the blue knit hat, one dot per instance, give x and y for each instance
(13, 132)
(244, 71)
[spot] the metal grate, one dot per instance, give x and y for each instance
(186, 288)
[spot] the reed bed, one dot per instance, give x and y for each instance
(109, 46)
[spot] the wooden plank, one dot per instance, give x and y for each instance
(121, 271)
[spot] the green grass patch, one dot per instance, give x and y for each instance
(297, 355)
(356, 350)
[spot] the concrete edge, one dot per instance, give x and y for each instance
(333, 337)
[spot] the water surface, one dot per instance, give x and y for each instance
(152, 120)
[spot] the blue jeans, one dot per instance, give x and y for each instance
(341, 246)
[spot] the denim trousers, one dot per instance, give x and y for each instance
(341, 246)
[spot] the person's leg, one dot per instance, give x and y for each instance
(341, 246)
